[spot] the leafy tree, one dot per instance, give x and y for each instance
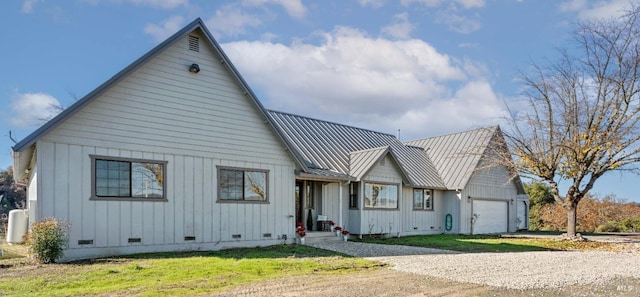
(583, 113)
(539, 195)
(12, 196)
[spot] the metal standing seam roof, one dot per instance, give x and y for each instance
(329, 146)
(361, 161)
(457, 155)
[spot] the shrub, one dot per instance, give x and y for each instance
(49, 237)
(632, 224)
(611, 227)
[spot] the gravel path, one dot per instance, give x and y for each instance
(524, 270)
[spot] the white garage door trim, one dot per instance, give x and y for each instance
(491, 216)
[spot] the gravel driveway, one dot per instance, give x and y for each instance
(523, 270)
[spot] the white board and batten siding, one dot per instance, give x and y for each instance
(194, 122)
(385, 221)
(415, 222)
(490, 196)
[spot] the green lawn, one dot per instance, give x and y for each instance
(489, 243)
(174, 274)
(201, 273)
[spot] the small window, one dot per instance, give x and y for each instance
(353, 195)
(422, 199)
(380, 196)
(242, 185)
(121, 178)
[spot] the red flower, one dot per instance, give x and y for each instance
(338, 228)
(302, 233)
(299, 224)
(345, 232)
(331, 223)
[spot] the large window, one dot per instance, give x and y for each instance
(121, 178)
(242, 185)
(422, 199)
(380, 196)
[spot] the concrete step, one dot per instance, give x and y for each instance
(315, 237)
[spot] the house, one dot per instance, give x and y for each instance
(372, 183)
(175, 152)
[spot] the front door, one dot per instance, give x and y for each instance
(299, 206)
(305, 203)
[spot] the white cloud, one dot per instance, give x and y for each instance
(372, 3)
(400, 28)
(435, 3)
(375, 83)
(595, 9)
(473, 105)
(454, 13)
(32, 109)
(458, 23)
(27, 5)
(230, 20)
(165, 4)
(294, 8)
(166, 29)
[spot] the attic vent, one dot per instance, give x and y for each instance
(194, 43)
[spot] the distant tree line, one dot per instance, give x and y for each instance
(597, 214)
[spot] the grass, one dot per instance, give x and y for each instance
(491, 243)
(174, 274)
(202, 273)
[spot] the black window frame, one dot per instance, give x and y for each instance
(354, 188)
(424, 206)
(243, 170)
(130, 161)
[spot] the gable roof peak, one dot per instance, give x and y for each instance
(197, 24)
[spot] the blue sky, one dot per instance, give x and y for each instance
(426, 67)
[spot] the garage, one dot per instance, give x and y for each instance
(490, 216)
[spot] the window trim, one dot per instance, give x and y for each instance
(423, 208)
(266, 190)
(354, 195)
(398, 195)
(94, 158)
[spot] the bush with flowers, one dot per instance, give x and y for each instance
(345, 232)
(300, 230)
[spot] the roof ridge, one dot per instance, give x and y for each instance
(454, 133)
(328, 122)
(371, 149)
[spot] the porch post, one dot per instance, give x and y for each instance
(340, 206)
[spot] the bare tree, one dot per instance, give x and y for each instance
(582, 114)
